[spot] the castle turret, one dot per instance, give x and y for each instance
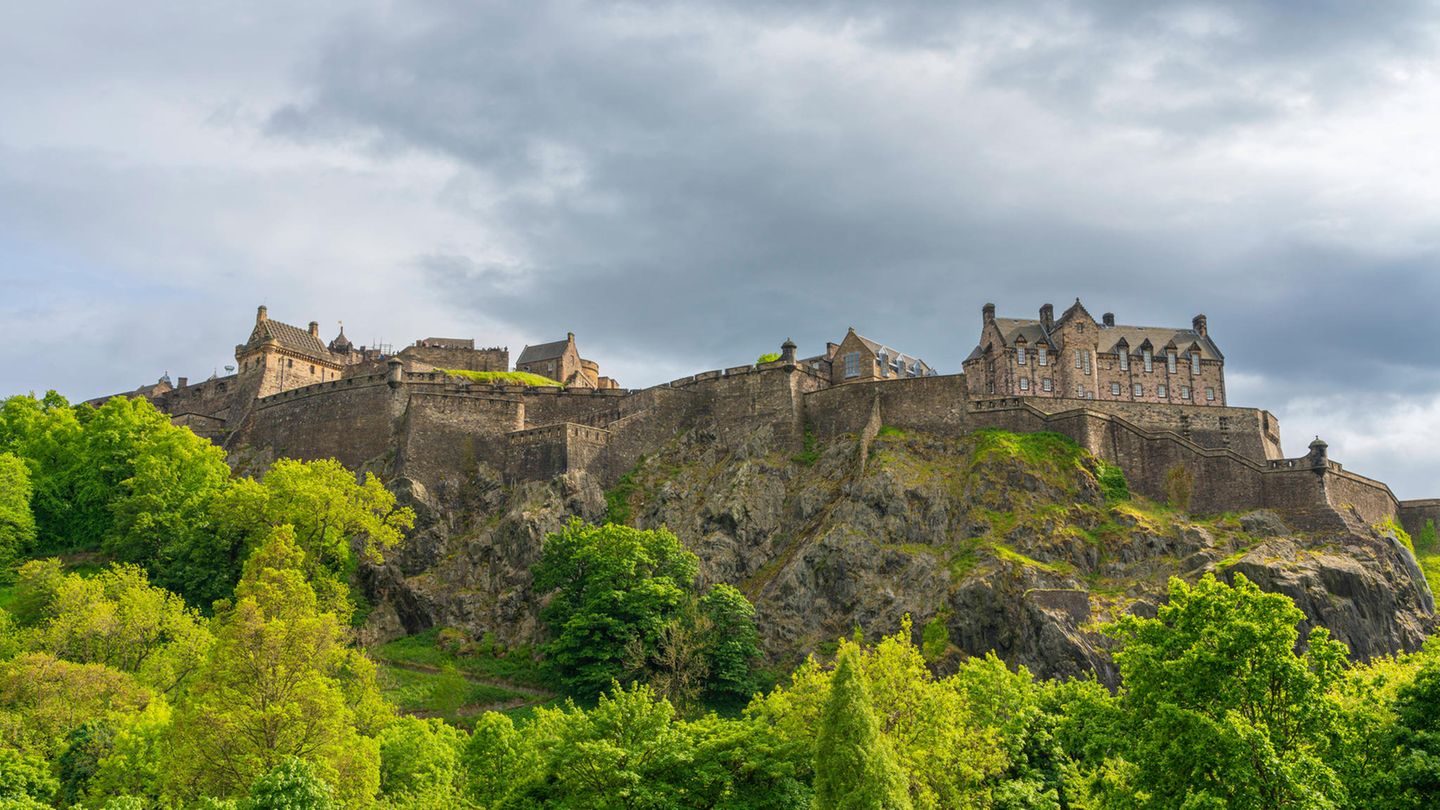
(787, 351)
(1319, 453)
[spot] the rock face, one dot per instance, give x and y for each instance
(1008, 541)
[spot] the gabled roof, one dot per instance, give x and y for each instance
(544, 351)
(291, 338)
(1159, 337)
(892, 354)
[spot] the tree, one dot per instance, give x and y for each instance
(17, 522)
(44, 699)
(1220, 709)
(25, 779)
(47, 435)
(854, 766)
(118, 619)
(612, 586)
(84, 748)
(294, 784)
(733, 645)
(272, 689)
(1417, 736)
(420, 759)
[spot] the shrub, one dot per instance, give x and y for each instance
(1112, 481)
(811, 452)
(502, 377)
(768, 357)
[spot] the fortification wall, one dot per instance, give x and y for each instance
(1251, 432)
(351, 420)
(548, 406)
(457, 357)
(444, 433)
(209, 398)
(1414, 514)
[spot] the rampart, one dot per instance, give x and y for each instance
(435, 427)
(1415, 514)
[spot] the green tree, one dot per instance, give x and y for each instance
(293, 784)
(17, 522)
(420, 759)
(25, 779)
(1417, 736)
(273, 688)
(84, 748)
(43, 699)
(117, 618)
(854, 766)
(47, 435)
(612, 586)
(1220, 709)
(733, 645)
(497, 760)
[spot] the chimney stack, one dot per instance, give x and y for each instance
(184, 381)
(1047, 316)
(315, 328)
(1201, 326)
(987, 313)
(1108, 319)
(260, 316)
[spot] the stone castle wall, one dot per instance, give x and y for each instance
(434, 427)
(1414, 514)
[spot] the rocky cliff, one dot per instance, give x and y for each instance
(1011, 542)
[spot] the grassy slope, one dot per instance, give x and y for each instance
(421, 676)
(503, 377)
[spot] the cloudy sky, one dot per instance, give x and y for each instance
(686, 184)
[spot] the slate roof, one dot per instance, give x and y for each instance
(291, 338)
(544, 351)
(1012, 329)
(891, 354)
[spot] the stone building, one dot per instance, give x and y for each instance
(1077, 357)
(278, 357)
(561, 361)
(859, 359)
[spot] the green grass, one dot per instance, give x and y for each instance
(1004, 552)
(811, 449)
(1041, 448)
(447, 694)
(503, 377)
(888, 432)
(424, 649)
(1112, 481)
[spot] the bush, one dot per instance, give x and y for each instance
(768, 357)
(1112, 481)
(502, 377)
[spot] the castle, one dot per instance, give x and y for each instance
(1146, 398)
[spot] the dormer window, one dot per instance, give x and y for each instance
(1020, 355)
(1149, 360)
(1042, 355)
(1194, 362)
(1124, 359)
(1170, 362)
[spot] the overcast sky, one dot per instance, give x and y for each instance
(685, 185)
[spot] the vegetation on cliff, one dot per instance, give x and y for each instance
(123, 684)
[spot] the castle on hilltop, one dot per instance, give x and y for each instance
(1148, 399)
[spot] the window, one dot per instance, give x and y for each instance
(1194, 363)
(1138, 390)
(1114, 389)
(1170, 362)
(1124, 359)
(1149, 361)
(852, 364)
(312, 368)
(1079, 358)
(1162, 392)
(1184, 392)
(1042, 355)
(1079, 392)
(1024, 383)
(1047, 385)
(289, 362)
(1210, 394)
(1020, 355)
(1087, 361)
